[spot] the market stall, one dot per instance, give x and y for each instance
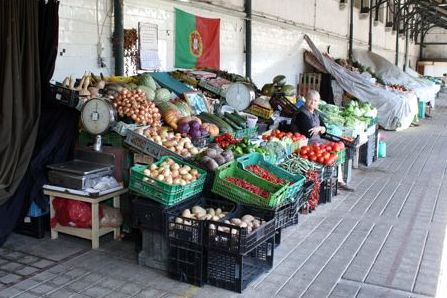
(214, 175)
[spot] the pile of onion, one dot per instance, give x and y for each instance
(171, 173)
(133, 104)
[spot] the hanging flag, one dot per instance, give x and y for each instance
(197, 42)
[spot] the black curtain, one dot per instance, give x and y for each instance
(57, 127)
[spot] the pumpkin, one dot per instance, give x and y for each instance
(212, 129)
(188, 119)
(171, 117)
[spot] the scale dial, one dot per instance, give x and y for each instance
(239, 96)
(97, 116)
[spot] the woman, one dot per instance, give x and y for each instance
(308, 122)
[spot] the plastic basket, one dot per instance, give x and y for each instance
(187, 262)
(296, 181)
(236, 194)
(154, 250)
(122, 128)
(234, 239)
(194, 229)
(144, 145)
(235, 272)
(64, 95)
(246, 132)
(326, 191)
(307, 190)
(162, 192)
(260, 111)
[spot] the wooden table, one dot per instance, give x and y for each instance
(95, 232)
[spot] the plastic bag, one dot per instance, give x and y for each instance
(73, 213)
(111, 217)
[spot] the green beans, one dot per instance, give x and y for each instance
(297, 165)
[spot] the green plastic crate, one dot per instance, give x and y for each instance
(246, 132)
(236, 194)
(297, 181)
(341, 157)
(161, 192)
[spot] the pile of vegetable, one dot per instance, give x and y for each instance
(214, 156)
(244, 146)
(353, 115)
(247, 221)
(174, 142)
(134, 104)
(188, 126)
(266, 175)
(278, 85)
(227, 122)
(199, 213)
(314, 176)
(89, 86)
(297, 165)
(171, 173)
(226, 140)
(248, 186)
(324, 154)
(281, 135)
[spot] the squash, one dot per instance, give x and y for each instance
(212, 129)
(170, 117)
(188, 119)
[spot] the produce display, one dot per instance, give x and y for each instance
(229, 122)
(324, 154)
(174, 142)
(296, 165)
(314, 176)
(244, 146)
(281, 135)
(192, 127)
(266, 175)
(172, 173)
(214, 156)
(247, 221)
(248, 186)
(353, 115)
(135, 105)
(226, 140)
(199, 213)
(89, 86)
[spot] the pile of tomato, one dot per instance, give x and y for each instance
(281, 135)
(325, 154)
(248, 186)
(226, 139)
(266, 175)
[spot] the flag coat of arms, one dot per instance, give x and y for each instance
(197, 41)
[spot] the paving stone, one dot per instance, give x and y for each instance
(96, 291)
(27, 270)
(27, 284)
(10, 292)
(151, 293)
(43, 264)
(44, 276)
(112, 283)
(10, 278)
(43, 289)
(130, 289)
(344, 291)
(79, 285)
(11, 266)
(28, 259)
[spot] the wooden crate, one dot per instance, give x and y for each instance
(309, 81)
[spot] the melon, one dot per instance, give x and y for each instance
(279, 80)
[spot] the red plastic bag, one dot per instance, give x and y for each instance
(73, 213)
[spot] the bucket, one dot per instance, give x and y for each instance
(251, 121)
(382, 149)
(421, 109)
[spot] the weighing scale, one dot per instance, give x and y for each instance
(240, 95)
(88, 166)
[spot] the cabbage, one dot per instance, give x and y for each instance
(146, 80)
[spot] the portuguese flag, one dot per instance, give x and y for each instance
(196, 41)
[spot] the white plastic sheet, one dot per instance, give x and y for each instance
(396, 110)
(391, 74)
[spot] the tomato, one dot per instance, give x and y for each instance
(329, 148)
(311, 153)
(327, 155)
(321, 160)
(319, 154)
(313, 158)
(304, 156)
(289, 135)
(342, 145)
(305, 147)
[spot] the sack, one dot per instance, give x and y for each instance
(111, 217)
(73, 213)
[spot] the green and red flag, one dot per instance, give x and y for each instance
(197, 43)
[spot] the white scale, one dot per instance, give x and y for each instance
(240, 95)
(97, 116)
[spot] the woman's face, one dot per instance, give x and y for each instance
(312, 103)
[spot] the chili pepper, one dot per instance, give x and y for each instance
(266, 175)
(248, 186)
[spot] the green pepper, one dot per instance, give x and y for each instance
(238, 151)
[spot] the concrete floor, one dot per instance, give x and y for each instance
(383, 240)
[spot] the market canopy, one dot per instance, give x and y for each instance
(396, 110)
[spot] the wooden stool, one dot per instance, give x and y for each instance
(95, 232)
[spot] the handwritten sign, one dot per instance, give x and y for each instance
(148, 39)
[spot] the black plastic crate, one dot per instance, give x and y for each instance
(307, 190)
(278, 233)
(328, 172)
(192, 230)
(234, 239)
(152, 215)
(64, 95)
(154, 250)
(235, 272)
(187, 262)
(33, 226)
(368, 151)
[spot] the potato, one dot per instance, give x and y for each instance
(211, 211)
(218, 211)
(178, 220)
(153, 167)
(221, 215)
(187, 177)
(183, 171)
(212, 227)
(243, 225)
(160, 177)
(147, 172)
(203, 217)
(196, 209)
(247, 218)
(227, 222)
(216, 218)
(209, 217)
(256, 225)
(145, 179)
(186, 213)
(236, 221)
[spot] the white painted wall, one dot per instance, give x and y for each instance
(277, 46)
(435, 52)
